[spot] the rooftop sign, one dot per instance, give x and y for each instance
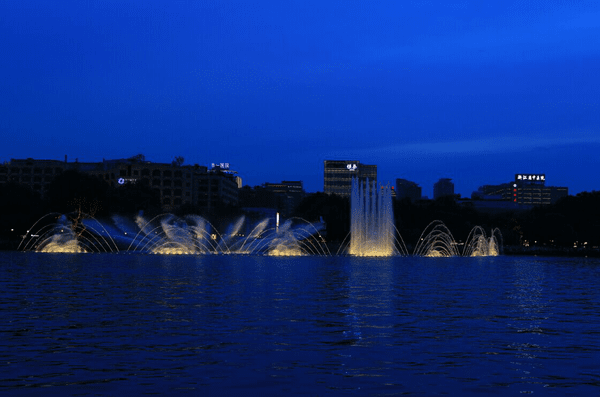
(223, 166)
(530, 177)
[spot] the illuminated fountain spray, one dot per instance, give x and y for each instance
(62, 238)
(436, 241)
(169, 234)
(372, 233)
(192, 234)
(372, 221)
(478, 244)
(67, 233)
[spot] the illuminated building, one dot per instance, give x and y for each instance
(525, 190)
(531, 189)
(338, 175)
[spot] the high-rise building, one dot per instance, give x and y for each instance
(407, 190)
(338, 175)
(443, 187)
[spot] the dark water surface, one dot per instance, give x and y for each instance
(92, 324)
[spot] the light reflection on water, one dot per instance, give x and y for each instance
(107, 323)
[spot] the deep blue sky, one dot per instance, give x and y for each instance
(475, 91)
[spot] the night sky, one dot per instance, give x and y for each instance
(476, 91)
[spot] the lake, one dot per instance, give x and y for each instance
(89, 324)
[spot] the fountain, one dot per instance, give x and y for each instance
(436, 241)
(478, 244)
(70, 233)
(371, 222)
(495, 243)
(168, 234)
(373, 233)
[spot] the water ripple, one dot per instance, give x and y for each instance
(109, 324)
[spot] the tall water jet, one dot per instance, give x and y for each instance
(495, 242)
(371, 221)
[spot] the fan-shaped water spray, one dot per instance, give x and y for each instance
(168, 234)
(70, 233)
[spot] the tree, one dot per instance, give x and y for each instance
(133, 198)
(334, 209)
(138, 158)
(20, 207)
(177, 161)
(76, 191)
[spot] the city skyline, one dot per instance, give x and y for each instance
(462, 90)
(345, 169)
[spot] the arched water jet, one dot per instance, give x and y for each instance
(438, 242)
(478, 244)
(68, 233)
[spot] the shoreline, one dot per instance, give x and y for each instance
(12, 245)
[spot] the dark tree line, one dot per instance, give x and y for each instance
(334, 210)
(71, 192)
(76, 191)
(573, 220)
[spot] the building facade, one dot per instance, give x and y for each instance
(443, 187)
(173, 182)
(177, 184)
(525, 190)
(531, 189)
(338, 175)
(215, 188)
(408, 190)
(37, 174)
(289, 195)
